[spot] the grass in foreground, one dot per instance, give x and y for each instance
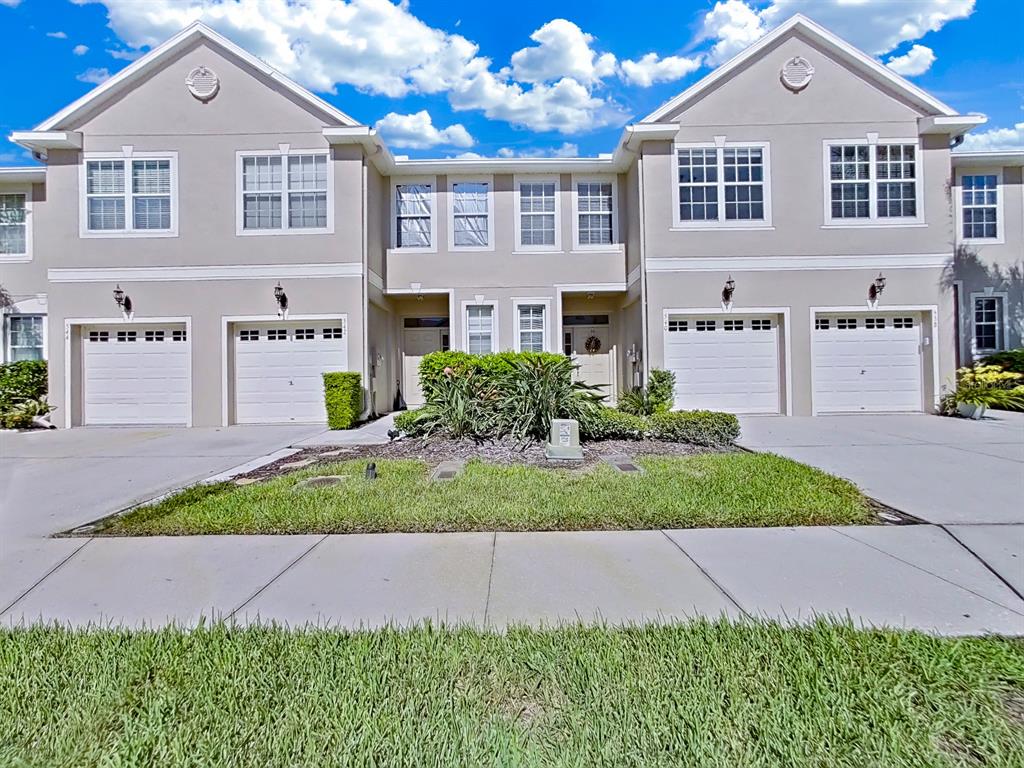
(706, 490)
(706, 693)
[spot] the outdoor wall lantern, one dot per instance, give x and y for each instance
(282, 301)
(727, 291)
(875, 290)
(124, 303)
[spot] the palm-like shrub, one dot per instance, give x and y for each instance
(658, 396)
(532, 391)
(988, 386)
(460, 405)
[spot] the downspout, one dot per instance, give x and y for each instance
(644, 324)
(368, 405)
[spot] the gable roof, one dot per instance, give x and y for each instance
(128, 76)
(852, 57)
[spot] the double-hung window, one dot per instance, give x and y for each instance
(872, 183)
(722, 185)
(531, 328)
(285, 192)
(130, 195)
(537, 219)
(479, 329)
(414, 215)
(25, 337)
(470, 222)
(13, 224)
(989, 320)
(595, 212)
(979, 206)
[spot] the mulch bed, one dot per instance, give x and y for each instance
(505, 452)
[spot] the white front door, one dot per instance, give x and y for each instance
(135, 374)
(279, 369)
(867, 362)
(417, 343)
(595, 364)
(724, 362)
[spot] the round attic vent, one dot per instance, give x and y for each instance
(203, 83)
(797, 73)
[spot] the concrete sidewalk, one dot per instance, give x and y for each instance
(914, 577)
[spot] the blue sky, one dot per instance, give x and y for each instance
(446, 78)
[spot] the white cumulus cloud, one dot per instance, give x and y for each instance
(94, 75)
(80, 50)
(417, 131)
(566, 149)
(650, 69)
(733, 25)
(58, 35)
(916, 61)
(994, 139)
(10, 3)
(563, 51)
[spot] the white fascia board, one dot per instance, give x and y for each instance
(951, 124)
(493, 165)
(840, 47)
(737, 264)
(997, 158)
(143, 65)
(23, 175)
(40, 141)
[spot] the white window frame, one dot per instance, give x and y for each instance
(519, 180)
(494, 323)
(958, 207)
(26, 190)
(8, 349)
(284, 151)
(397, 182)
(873, 219)
(452, 181)
(1002, 323)
(545, 331)
(720, 144)
(594, 179)
(127, 155)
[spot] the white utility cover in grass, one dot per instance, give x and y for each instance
(727, 362)
(867, 362)
(135, 374)
(279, 369)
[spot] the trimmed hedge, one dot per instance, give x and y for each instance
(711, 428)
(21, 381)
(486, 367)
(613, 424)
(407, 422)
(343, 396)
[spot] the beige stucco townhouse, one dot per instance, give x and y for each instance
(205, 238)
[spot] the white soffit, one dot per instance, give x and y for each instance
(1001, 159)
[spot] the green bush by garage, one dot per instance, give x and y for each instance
(23, 389)
(343, 396)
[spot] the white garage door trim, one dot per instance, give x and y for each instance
(227, 323)
(71, 323)
(929, 318)
(782, 314)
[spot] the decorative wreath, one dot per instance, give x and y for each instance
(593, 345)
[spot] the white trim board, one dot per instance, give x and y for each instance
(773, 263)
(70, 322)
(787, 336)
(218, 272)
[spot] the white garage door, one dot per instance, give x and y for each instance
(279, 367)
(724, 363)
(867, 362)
(135, 374)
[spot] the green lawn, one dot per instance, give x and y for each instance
(701, 694)
(705, 490)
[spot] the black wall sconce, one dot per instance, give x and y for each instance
(282, 301)
(124, 303)
(875, 290)
(727, 291)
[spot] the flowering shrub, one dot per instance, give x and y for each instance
(988, 386)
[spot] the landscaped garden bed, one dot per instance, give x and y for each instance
(697, 694)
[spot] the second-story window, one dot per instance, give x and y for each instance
(979, 204)
(722, 185)
(872, 182)
(129, 195)
(594, 212)
(538, 215)
(414, 216)
(13, 226)
(470, 214)
(285, 192)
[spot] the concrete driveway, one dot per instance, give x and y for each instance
(944, 470)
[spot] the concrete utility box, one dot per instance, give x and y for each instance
(564, 443)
